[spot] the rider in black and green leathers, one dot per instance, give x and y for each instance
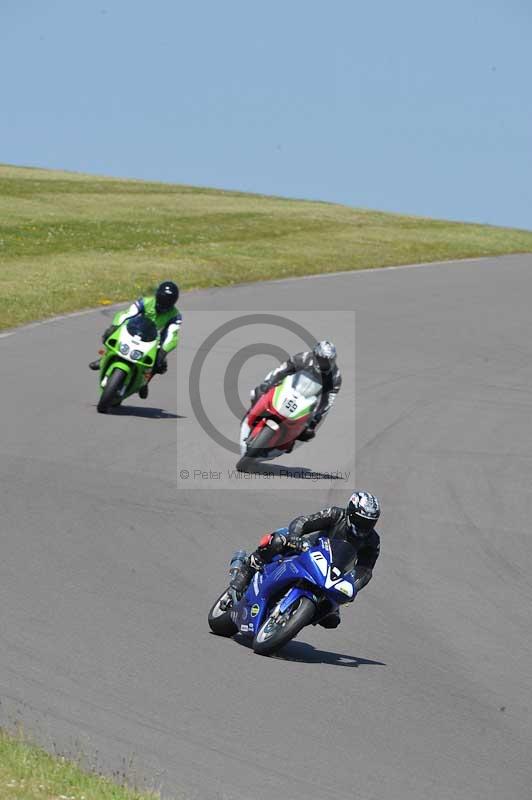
(161, 309)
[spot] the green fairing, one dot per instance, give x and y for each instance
(138, 372)
(112, 363)
(304, 412)
(160, 320)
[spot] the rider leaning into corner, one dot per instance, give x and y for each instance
(354, 525)
(319, 362)
(161, 309)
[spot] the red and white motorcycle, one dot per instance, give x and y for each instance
(278, 417)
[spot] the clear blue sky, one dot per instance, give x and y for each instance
(418, 107)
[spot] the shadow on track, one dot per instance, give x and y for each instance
(307, 654)
(299, 473)
(147, 412)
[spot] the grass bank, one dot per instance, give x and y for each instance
(27, 773)
(71, 241)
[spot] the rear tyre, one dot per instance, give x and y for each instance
(274, 633)
(220, 621)
(109, 396)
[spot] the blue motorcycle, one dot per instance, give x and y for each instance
(286, 595)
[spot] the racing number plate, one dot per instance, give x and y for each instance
(290, 404)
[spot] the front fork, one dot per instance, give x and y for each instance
(111, 364)
(294, 594)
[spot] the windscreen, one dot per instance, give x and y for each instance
(142, 327)
(305, 384)
(343, 554)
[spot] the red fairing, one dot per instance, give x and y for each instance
(266, 539)
(288, 430)
(262, 405)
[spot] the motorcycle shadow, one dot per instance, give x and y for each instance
(146, 412)
(299, 473)
(307, 654)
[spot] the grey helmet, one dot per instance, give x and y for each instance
(325, 354)
(362, 512)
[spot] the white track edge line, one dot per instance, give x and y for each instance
(316, 276)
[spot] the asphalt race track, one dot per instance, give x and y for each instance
(107, 570)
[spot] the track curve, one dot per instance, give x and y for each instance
(107, 572)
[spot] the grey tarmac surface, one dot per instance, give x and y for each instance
(107, 570)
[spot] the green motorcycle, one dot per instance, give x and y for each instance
(127, 361)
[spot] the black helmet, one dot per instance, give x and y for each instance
(362, 512)
(325, 354)
(166, 296)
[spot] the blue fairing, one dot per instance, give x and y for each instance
(309, 574)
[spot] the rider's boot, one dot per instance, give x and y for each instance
(95, 364)
(143, 392)
(307, 435)
(332, 620)
(242, 577)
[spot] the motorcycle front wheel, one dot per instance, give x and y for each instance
(256, 446)
(220, 621)
(279, 629)
(110, 396)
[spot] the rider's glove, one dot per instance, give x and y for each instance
(256, 562)
(257, 392)
(272, 544)
(108, 331)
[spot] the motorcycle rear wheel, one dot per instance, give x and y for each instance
(109, 396)
(273, 634)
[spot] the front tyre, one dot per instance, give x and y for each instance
(220, 621)
(255, 448)
(110, 395)
(279, 629)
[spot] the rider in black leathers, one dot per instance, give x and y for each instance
(319, 362)
(354, 525)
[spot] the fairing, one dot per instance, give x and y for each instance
(309, 574)
(133, 338)
(288, 407)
